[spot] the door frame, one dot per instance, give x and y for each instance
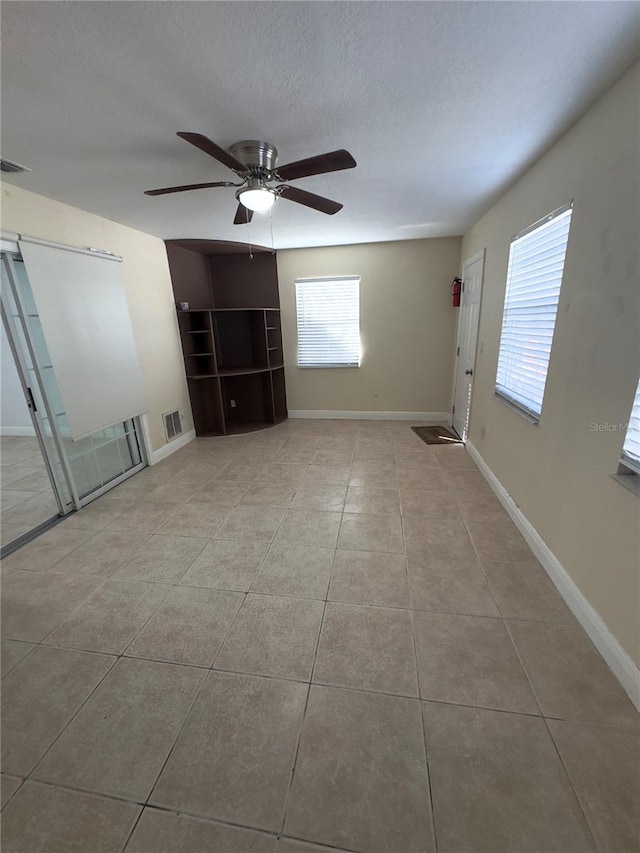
(481, 254)
(56, 481)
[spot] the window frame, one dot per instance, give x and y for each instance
(501, 391)
(322, 280)
(628, 473)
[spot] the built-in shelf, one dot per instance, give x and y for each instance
(233, 383)
(241, 371)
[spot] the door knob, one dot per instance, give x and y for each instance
(468, 373)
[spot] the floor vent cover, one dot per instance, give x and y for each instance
(172, 424)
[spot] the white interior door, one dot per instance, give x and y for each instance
(468, 316)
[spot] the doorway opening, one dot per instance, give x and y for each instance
(468, 319)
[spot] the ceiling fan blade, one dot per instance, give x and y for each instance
(317, 202)
(243, 215)
(186, 187)
(334, 161)
(213, 150)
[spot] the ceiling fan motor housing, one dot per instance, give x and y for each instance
(256, 154)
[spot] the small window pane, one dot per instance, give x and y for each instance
(328, 312)
(631, 446)
(534, 276)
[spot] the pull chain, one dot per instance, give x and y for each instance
(249, 234)
(273, 248)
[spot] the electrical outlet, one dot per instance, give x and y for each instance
(375, 395)
(232, 403)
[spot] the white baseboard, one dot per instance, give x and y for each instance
(616, 657)
(170, 447)
(342, 414)
(18, 431)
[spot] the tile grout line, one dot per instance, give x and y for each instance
(505, 623)
(29, 775)
(125, 844)
(306, 705)
(10, 639)
(534, 693)
(424, 734)
(213, 668)
(576, 796)
(205, 678)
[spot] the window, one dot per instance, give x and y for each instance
(630, 461)
(534, 276)
(328, 311)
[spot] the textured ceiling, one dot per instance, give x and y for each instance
(442, 104)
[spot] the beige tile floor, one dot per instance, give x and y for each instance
(26, 496)
(322, 637)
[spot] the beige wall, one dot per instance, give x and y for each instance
(148, 286)
(406, 322)
(558, 472)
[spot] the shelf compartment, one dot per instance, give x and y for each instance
(194, 321)
(241, 371)
(251, 394)
(197, 342)
(240, 339)
(200, 360)
(206, 403)
(275, 356)
(279, 395)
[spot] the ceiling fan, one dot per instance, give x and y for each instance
(255, 163)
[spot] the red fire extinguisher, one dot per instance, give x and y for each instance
(456, 290)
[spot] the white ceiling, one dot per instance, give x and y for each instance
(442, 104)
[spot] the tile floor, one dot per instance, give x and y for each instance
(327, 636)
(26, 496)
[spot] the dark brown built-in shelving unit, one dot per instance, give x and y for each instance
(231, 334)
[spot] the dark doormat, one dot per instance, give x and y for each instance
(437, 435)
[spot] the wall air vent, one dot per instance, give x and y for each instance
(10, 166)
(172, 424)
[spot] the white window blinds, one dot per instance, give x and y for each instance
(631, 446)
(328, 311)
(534, 276)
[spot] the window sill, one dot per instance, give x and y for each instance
(533, 419)
(627, 478)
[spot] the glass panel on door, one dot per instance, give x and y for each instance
(82, 469)
(34, 387)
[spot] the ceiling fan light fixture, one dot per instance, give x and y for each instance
(258, 200)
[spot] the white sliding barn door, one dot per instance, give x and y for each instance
(80, 298)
